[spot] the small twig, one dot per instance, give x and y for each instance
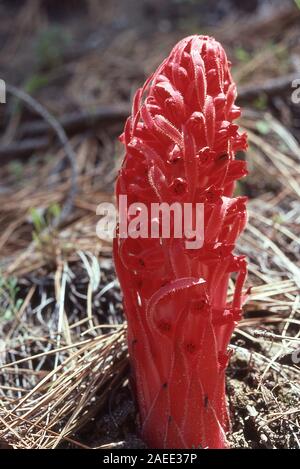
(270, 335)
(76, 122)
(61, 134)
(23, 148)
(269, 87)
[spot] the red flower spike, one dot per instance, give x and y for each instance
(180, 146)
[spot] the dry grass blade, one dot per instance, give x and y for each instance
(83, 383)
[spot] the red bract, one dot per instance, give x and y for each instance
(180, 147)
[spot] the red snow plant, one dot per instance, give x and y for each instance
(180, 146)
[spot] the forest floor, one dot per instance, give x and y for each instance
(63, 357)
